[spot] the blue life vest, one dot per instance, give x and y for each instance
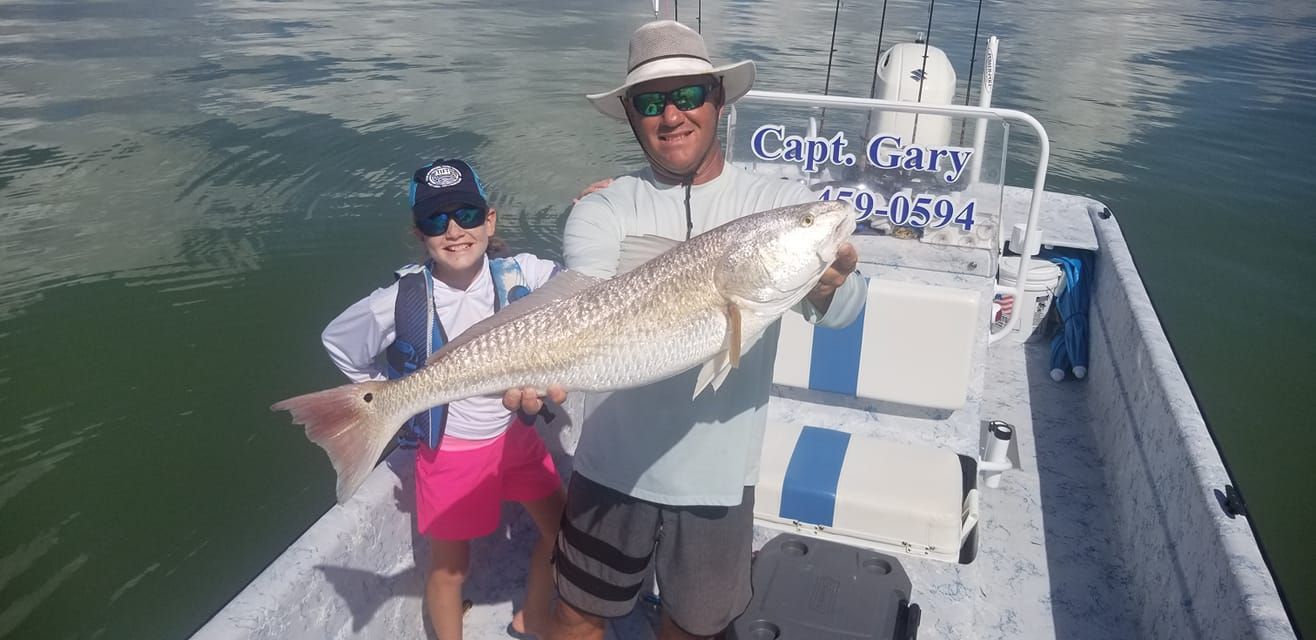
(420, 334)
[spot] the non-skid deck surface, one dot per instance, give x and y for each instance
(1045, 568)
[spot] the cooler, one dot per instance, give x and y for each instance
(812, 589)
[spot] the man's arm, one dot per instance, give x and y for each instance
(591, 240)
(847, 301)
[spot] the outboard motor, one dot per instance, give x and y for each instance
(901, 75)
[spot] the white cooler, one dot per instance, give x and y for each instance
(912, 500)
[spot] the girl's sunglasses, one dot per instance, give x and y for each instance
(466, 217)
(652, 103)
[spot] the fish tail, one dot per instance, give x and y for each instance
(348, 423)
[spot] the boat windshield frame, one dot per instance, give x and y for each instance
(962, 111)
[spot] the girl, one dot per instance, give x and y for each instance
(472, 454)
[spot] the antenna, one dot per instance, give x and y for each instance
(985, 100)
(699, 16)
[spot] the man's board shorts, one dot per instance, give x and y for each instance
(461, 487)
(610, 543)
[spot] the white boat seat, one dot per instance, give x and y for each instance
(892, 497)
(913, 346)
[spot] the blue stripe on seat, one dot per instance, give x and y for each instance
(835, 363)
(808, 491)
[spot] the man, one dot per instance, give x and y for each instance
(662, 483)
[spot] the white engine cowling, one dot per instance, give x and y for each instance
(900, 74)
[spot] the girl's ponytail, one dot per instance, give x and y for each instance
(497, 248)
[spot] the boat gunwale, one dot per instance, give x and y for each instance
(1207, 463)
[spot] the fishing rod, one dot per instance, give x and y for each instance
(923, 73)
(973, 57)
(676, 13)
(877, 59)
(827, 83)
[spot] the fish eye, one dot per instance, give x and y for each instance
(808, 219)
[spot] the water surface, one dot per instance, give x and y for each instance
(189, 191)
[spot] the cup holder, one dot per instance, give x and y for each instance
(794, 548)
(763, 630)
(876, 565)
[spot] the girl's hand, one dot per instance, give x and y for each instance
(594, 186)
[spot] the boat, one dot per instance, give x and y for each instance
(945, 439)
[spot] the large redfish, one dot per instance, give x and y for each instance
(698, 302)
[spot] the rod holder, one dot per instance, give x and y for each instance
(995, 459)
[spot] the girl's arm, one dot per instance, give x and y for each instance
(536, 270)
(356, 338)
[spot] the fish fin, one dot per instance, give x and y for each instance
(637, 250)
(722, 376)
(714, 372)
(563, 285)
(716, 369)
(350, 428)
(733, 334)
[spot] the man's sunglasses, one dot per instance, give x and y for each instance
(652, 103)
(466, 217)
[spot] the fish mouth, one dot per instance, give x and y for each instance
(840, 233)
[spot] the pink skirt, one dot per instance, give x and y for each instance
(461, 487)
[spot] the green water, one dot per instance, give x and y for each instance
(190, 190)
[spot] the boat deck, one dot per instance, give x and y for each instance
(1047, 565)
